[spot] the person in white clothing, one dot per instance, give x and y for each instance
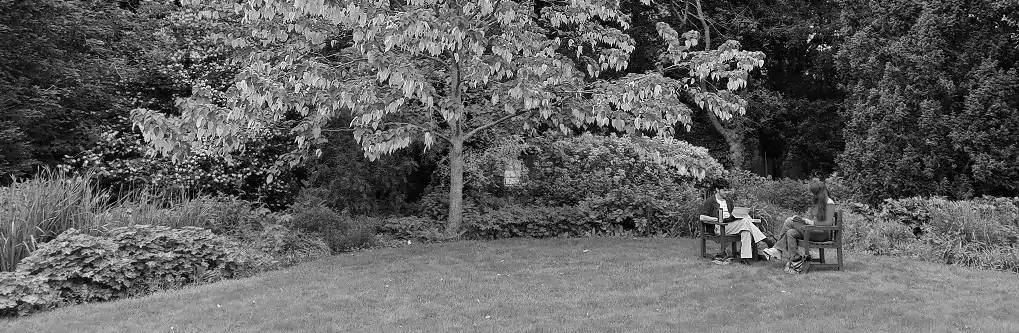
(749, 232)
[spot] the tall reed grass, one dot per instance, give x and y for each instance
(172, 208)
(33, 211)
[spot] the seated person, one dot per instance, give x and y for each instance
(792, 229)
(748, 231)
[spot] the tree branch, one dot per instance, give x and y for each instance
(496, 122)
(432, 130)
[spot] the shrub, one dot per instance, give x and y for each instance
(340, 231)
(137, 260)
(982, 233)
(634, 184)
(37, 210)
(342, 178)
(352, 233)
(121, 161)
(569, 170)
(772, 216)
(435, 205)
(316, 219)
(287, 246)
(529, 221)
(787, 194)
(21, 294)
(412, 228)
(647, 209)
(842, 190)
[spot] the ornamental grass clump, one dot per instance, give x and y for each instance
(34, 211)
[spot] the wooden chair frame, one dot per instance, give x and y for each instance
(834, 242)
(707, 232)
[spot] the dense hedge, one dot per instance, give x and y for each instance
(567, 171)
(639, 185)
(622, 183)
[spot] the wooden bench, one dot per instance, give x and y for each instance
(707, 232)
(834, 242)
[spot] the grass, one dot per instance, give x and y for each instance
(563, 285)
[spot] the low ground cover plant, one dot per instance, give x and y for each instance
(128, 261)
(66, 242)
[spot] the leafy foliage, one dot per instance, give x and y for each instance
(34, 211)
(21, 294)
(621, 183)
(647, 209)
(789, 194)
(61, 69)
(412, 228)
(121, 162)
(982, 232)
(434, 69)
(569, 170)
(288, 246)
(343, 179)
(132, 260)
(529, 221)
(911, 68)
(341, 232)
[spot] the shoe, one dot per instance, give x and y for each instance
(790, 270)
(744, 261)
(773, 253)
(721, 259)
(769, 240)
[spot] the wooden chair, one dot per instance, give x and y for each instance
(707, 232)
(834, 242)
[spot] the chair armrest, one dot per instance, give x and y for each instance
(711, 220)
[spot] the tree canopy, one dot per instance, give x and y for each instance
(428, 70)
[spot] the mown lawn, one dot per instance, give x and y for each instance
(564, 285)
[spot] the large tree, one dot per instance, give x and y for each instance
(445, 70)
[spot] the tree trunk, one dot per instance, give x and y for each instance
(456, 184)
(734, 140)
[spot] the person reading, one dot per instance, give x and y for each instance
(792, 229)
(737, 221)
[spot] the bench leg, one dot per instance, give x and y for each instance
(704, 247)
(806, 256)
(733, 245)
(821, 251)
(839, 250)
(753, 250)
